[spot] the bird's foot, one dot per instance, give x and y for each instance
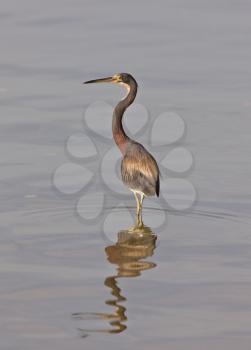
(133, 229)
(137, 228)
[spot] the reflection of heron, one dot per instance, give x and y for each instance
(139, 169)
(127, 254)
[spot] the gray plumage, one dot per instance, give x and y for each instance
(139, 170)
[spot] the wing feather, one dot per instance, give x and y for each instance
(140, 170)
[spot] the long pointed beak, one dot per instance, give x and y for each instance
(103, 80)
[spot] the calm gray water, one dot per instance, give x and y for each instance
(63, 286)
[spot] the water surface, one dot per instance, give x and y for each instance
(62, 284)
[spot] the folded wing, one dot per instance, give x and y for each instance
(140, 171)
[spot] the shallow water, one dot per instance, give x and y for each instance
(68, 284)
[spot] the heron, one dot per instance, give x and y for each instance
(139, 169)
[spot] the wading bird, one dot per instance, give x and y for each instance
(139, 170)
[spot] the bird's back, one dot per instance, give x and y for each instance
(140, 170)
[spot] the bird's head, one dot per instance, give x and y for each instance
(119, 78)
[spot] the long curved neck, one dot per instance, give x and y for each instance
(119, 134)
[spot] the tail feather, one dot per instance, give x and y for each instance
(157, 186)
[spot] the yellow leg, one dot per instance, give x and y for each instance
(140, 221)
(138, 207)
